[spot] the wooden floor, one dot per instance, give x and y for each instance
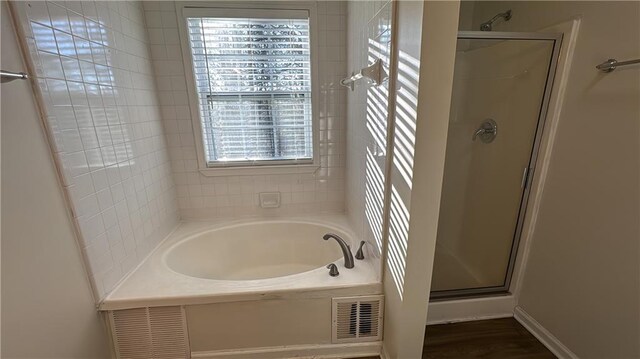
(495, 339)
(490, 339)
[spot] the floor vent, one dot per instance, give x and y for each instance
(150, 333)
(357, 319)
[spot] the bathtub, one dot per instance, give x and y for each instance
(258, 250)
(205, 262)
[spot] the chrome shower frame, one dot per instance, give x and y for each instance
(557, 43)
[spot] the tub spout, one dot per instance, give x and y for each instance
(346, 250)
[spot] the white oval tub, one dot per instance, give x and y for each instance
(255, 251)
(205, 262)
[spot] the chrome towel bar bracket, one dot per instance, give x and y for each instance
(373, 72)
(8, 76)
(612, 64)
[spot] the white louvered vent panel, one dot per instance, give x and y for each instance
(357, 319)
(368, 319)
(131, 334)
(150, 333)
(168, 333)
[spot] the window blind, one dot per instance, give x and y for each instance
(253, 81)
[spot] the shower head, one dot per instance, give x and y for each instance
(488, 26)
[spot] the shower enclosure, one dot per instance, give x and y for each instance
(502, 83)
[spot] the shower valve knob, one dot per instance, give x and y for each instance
(487, 131)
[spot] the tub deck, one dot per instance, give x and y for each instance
(152, 283)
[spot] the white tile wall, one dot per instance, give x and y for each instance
(369, 35)
(93, 68)
(233, 196)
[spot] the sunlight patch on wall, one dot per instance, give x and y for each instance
(374, 198)
(402, 170)
(375, 161)
(406, 115)
(377, 116)
(398, 238)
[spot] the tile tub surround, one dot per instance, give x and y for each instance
(154, 284)
(202, 197)
(94, 73)
(369, 36)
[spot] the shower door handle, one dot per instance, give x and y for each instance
(525, 178)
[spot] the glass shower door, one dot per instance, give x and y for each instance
(498, 107)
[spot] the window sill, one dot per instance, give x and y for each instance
(258, 170)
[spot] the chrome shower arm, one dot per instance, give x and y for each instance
(373, 72)
(488, 26)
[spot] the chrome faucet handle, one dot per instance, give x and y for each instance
(333, 270)
(480, 131)
(360, 253)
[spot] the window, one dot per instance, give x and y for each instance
(253, 85)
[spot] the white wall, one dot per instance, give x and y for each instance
(582, 278)
(369, 38)
(47, 307)
(92, 64)
(200, 196)
(426, 43)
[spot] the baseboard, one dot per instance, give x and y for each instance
(320, 351)
(464, 310)
(544, 336)
(384, 354)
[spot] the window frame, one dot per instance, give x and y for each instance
(257, 10)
